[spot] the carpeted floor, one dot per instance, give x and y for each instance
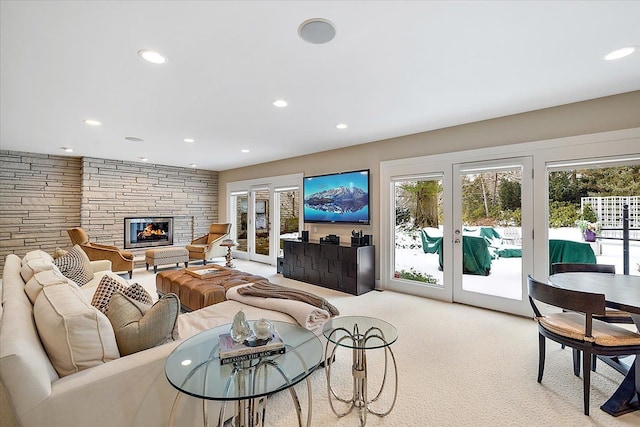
(458, 366)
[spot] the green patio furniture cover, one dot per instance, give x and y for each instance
(476, 258)
(570, 251)
(430, 244)
(510, 252)
(489, 233)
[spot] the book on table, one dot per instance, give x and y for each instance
(231, 351)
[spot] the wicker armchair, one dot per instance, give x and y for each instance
(208, 246)
(120, 260)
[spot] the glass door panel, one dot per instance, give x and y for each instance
(262, 225)
(488, 251)
(417, 255)
(241, 203)
(586, 210)
(288, 202)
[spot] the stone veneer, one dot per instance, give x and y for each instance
(44, 195)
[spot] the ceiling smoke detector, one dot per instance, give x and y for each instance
(317, 31)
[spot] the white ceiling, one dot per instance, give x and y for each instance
(394, 68)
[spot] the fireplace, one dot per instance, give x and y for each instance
(148, 232)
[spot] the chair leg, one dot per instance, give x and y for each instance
(586, 362)
(541, 346)
(576, 362)
(130, 274)
(594, 358)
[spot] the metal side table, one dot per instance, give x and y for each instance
(360, 334)
(194, 369)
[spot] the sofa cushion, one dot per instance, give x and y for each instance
(75, 265)
(139, 326)
(40, 280)
(33, 262)
(37, 254)
(109, 286)
(75, 334)
(33, 266)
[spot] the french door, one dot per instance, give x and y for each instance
(492, 233)
(262, 213)
(462, 234)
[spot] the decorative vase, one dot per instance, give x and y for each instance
(240, 329)
(263, 329)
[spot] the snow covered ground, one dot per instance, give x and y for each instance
(506, 273)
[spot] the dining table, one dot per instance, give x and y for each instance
(621, 292)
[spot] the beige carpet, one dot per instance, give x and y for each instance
(458, 366)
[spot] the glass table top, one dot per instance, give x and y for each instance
(360, 332)
(194, 366)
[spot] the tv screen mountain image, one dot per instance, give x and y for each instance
(337, 198)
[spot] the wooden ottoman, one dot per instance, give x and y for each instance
(197, 292)
(163, 256)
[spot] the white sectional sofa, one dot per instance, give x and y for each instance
(130, 390)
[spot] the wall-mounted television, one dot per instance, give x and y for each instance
(337, 198)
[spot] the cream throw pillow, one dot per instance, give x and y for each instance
(44, 278)
(139, 326)
(33, 266)
(37, 254)
(33, 262)
(75, 334)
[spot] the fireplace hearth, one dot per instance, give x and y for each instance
(148, 232)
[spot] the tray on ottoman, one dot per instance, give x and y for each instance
(209, 272)
(194, 292)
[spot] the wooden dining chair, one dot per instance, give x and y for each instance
(610, 315)
(576, 328)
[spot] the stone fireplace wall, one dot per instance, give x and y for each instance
(44, 195)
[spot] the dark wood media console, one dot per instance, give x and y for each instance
(343, 268)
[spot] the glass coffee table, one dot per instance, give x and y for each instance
(360, 334)
(194, 369)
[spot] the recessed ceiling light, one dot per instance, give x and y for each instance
(143, 159)
(67, 149)
(193, 165)
(189, 140)
(281, 103)
(341, 126)
(133, 139)
(92, 122)
(317, 31)
(620, 53)
(244, 150)
(152, 56)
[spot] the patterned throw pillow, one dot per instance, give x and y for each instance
(75, 265)
(138, 293)
(139, 326)
(109, 286)
(106, 288)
